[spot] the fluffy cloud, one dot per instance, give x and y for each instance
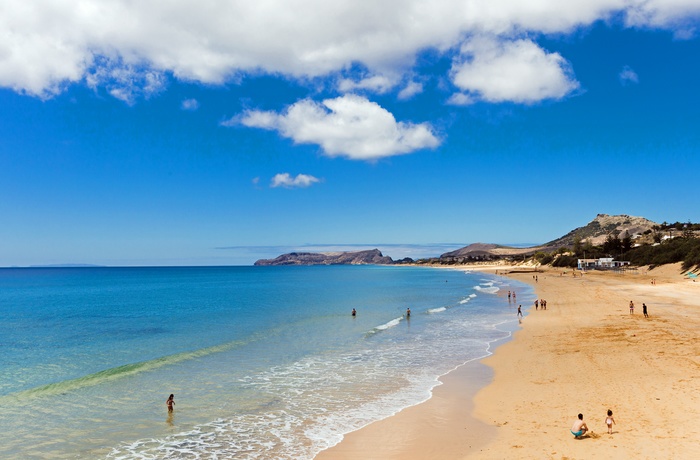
(350, 126)
(287, 181)
(517, 71)
(45, 45)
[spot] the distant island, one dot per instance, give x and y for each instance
(635, 239)
(369, 257)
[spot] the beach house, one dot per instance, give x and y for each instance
(603, 263)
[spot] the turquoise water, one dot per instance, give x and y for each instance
(264, 362)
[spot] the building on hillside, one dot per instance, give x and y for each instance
(603, 263)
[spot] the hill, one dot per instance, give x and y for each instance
(597, 230)
(595, 233)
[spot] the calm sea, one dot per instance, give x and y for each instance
(264, 362)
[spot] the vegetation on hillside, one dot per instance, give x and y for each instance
(680, 245)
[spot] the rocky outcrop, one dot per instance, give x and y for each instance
(369, 257)
(597, 230)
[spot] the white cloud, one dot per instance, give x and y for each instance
(677, 15)
(379, 84)
(46, 45)
(126, 82)
(411, 89)
(349, 126)
(461, 99)
(287, 181)
(627, 75)
(516, 71)
(190, 104)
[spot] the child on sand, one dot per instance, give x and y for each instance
(609, 421)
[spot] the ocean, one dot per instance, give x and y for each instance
(264, 362)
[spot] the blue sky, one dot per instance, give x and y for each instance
(217, 133)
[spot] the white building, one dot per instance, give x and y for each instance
(601, 264)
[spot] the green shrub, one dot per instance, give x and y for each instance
(546, 259)
(565, 261)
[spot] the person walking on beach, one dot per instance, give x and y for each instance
(631, 307)
(520, 312)
(170, 403)
(644, 310)
(609, 421)
(579, 427)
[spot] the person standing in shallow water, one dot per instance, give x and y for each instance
(170, 403)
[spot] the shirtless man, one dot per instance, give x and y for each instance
(579, 428)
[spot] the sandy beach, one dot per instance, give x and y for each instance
(585, 354)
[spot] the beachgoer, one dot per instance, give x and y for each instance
(520, 312)
(644, 310)
(408, 313)
(536, 304)
(609, 421)
(579, 427)
(354, 312)
(631, 307)
(170, 403)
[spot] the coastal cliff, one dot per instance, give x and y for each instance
(369, 257)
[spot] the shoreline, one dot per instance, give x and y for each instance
(586, 354)
(431, 429)
(437, 427)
